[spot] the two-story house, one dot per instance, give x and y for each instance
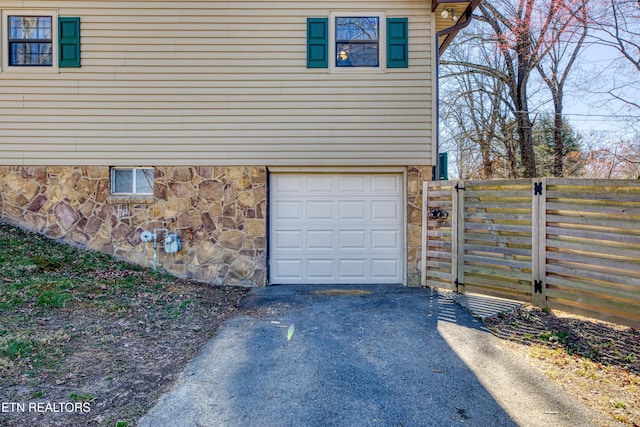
(282, 142)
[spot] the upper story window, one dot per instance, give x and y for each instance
(38, 41)
(30, 41)
(129, 181)
(357, 41)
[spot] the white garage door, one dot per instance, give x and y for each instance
(336, 228)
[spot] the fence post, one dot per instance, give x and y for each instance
(538, 242)
(423, 252)
(457, 236)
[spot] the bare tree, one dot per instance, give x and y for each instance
(474, 108)
(619, 25)
(524, 32)
(566, 36)
(616, 25)
(613, 159)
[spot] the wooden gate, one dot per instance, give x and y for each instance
(572, 245)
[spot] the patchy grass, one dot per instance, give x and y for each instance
(596, 362)
(84, 328)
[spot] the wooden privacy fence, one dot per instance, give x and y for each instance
(566, 244)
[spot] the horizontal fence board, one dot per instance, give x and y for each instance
(439, 265)
(497, 194)
(618, 280)
(497, 227)
(628, 211)
(440, 274)
(594, 235)
(500, 183)
(592, 183)
(498, 239)
(440, 244)
(597, 263)
(441, 280)
(477, 261)
(604, 249)
(603, 220)
(489, 281)
(439, 254)
(439, 194)
(498, 249)
(494, 204)
(472, 286)
(605, 291)
(499, 274)
(495, 216)
(629, 200)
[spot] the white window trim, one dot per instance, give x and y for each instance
(132, 168)
(5, 40)
(382, 43)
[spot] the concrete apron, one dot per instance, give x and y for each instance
(360, 356)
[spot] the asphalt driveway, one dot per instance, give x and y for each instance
(359, 356)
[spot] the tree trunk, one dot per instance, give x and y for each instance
(525, 136)
(487, 164)
(524, 56)
(558, 152)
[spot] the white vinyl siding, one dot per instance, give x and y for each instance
(217, 82)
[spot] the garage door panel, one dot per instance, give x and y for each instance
(320, 270)
(288, 184)
(384, 268)
(382, 210)
(285, 210)
(385, 239)
(352, 184)
(320, 239)
(288, 269)
(336, 228)
(287, 239)
(385, 184)
(352, 210)
(352, 239)
(350, 269)
(320, 210)
(318, 184)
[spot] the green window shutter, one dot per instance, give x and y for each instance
(68, 42)
(317, 42)
(444, 166)
(397, 43)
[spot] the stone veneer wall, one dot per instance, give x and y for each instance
(218, 213)
(415, 177)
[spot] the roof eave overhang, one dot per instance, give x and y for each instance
(464, 10)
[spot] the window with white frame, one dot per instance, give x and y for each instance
(29, 40)
(132, 181)
(357, 41)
